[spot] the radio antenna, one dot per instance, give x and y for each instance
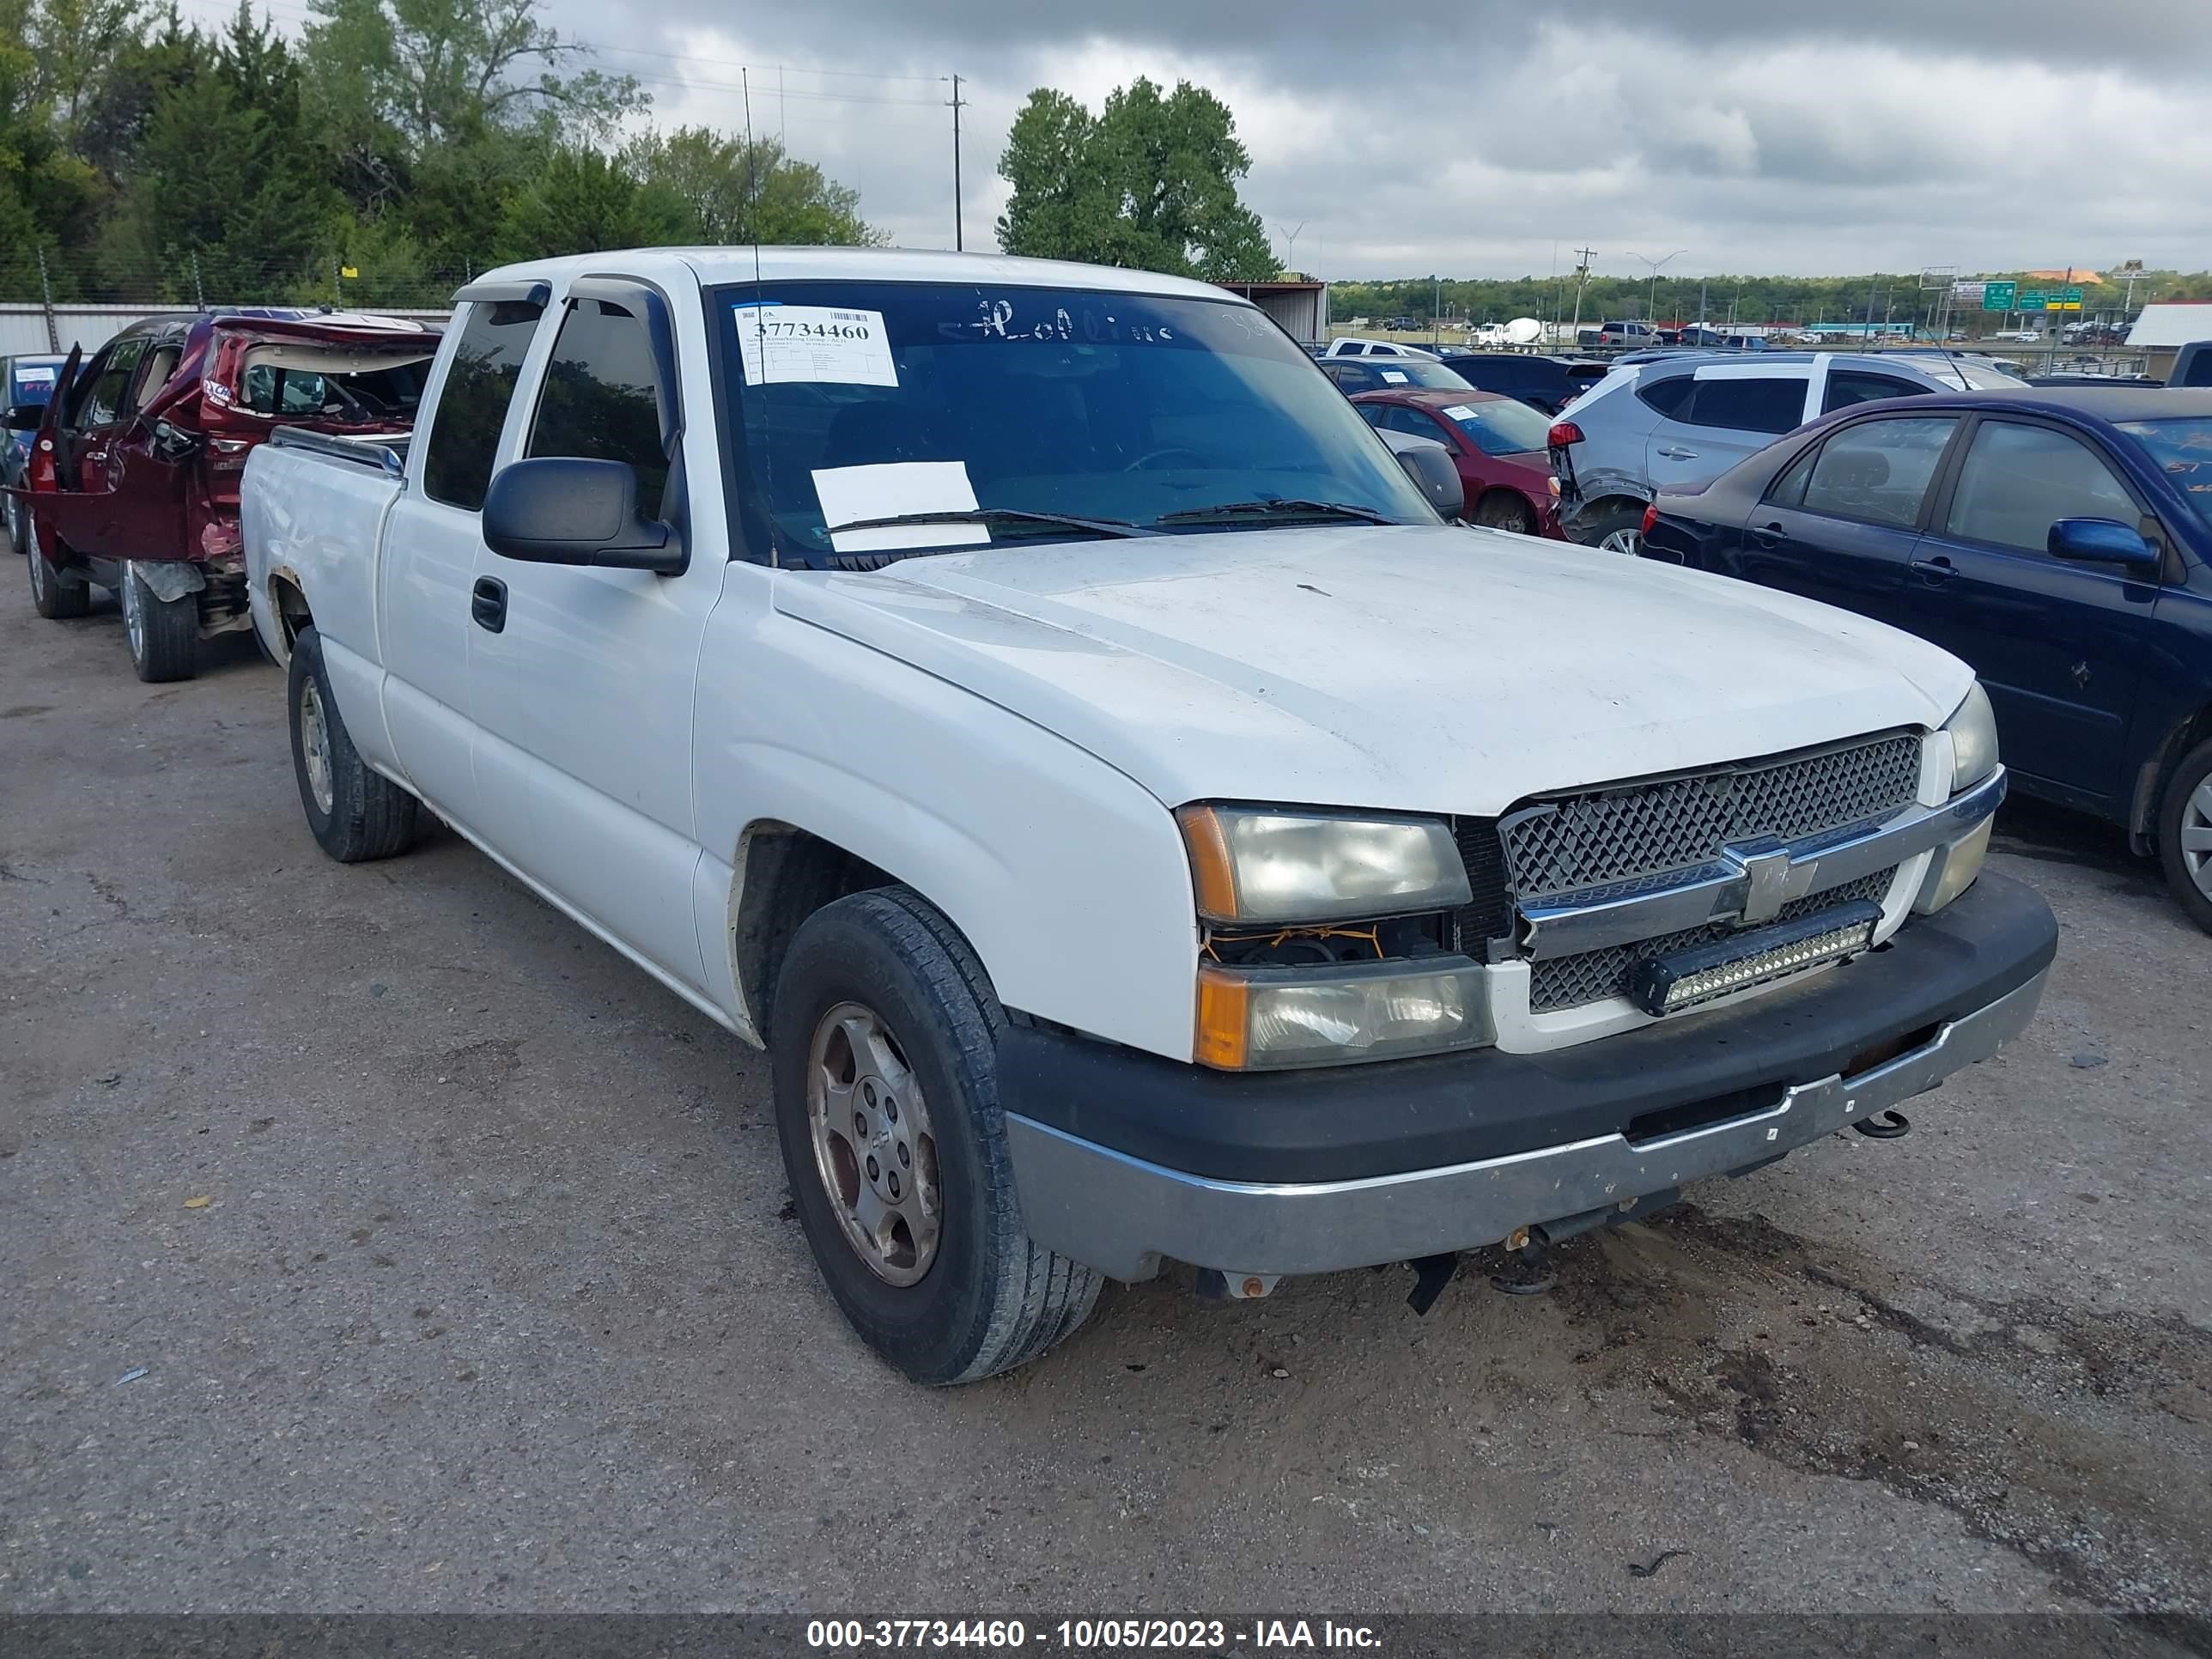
(760, 317)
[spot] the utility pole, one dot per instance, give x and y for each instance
(1436, 314)
(1582, 281)
(199, 295)
(47, 300)
(959, 243)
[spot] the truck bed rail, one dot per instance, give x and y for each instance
(388, 456)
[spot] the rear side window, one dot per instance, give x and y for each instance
(1878, 471)
(1847, 387)
(1767, 404)
(1666, 396)
(464, 435)
(602, 397)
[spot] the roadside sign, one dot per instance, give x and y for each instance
(1968, 293)
(2054, 299)
(1998, 297)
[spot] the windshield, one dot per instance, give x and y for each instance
(867, 401)
(2182, 449)
(33, 383)
(1508, 427)
(1423, 372)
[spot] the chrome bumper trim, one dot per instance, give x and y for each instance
(1752, 882)
(1122, 1215)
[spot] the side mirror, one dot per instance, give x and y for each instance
(2102, 541)
(25, 417)
(566, 510)
(1430, 467)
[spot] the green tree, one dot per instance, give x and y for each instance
(1149, 182)
(75, 43)
(582, 201)
(733, 194)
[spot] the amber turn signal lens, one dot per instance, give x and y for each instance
(1214, 877)
(1223, 1028)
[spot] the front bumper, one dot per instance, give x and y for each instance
(1121, 1159)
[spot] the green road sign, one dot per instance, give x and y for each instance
(2053, 299)
(1998, 296)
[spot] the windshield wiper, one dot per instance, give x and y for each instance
(1006, 516)
(1275, 509)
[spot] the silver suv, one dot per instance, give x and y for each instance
(1683, 420)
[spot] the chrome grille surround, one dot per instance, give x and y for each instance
(1634, 836)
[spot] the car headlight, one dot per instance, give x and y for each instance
(1973, 732)
(1261, 864)
(1261, 1018)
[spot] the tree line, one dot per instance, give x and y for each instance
(382, 157)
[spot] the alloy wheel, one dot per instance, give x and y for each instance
(134, 613)
(873, 1146)
(2196, 836)
(1620, 541)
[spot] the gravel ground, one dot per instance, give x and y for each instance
(374, 1239)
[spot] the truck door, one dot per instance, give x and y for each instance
(433, 540)
(583, 695)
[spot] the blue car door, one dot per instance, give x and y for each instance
(1842, 522)
(2058, 644)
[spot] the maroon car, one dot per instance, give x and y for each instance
(133, 482)
(1498, 443)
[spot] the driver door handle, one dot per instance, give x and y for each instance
(1673, 453)
(487, 604)
(1768, 535)
(1935, 572)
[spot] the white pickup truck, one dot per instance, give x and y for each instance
(1028, 702)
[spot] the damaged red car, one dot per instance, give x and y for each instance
(133, 482)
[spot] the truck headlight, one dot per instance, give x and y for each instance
(1973, 732)
(1263, 863)
(1260, 1018)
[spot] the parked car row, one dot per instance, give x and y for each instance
(131, 475)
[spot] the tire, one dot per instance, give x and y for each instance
(1619, 531)
(19, 526)
(355, 814)
(1501, 509)
(52, 597)
(164, 634)
(2184, 834)
(976, 1296)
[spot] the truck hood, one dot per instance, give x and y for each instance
(1417, 668)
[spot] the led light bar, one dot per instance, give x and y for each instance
(1667, 985)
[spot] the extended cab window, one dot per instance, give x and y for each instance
(1765, 404)
(1878, 471)
(2018, 481)
(464, 428)
(602, 397)
(1847, 387)
(1667, 396)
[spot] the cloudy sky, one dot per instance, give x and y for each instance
(1479, 137)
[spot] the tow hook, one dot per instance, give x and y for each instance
(1218, 1284)
(1895, 1128)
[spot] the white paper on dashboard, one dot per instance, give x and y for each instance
(1396, 377)
(1461, 412)
(850, 495)
(824, 343)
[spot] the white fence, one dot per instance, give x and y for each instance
(29, 328)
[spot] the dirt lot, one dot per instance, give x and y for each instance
(455, 1256)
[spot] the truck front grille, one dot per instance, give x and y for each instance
(1559, 983)
(1634, 832)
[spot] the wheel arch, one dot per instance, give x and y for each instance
(289, 610)
(782, 874)
(2155, 776)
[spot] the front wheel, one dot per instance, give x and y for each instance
(355, 812)
(1501, 509)
(883, 1045)
(2184, 834)
(164, 633)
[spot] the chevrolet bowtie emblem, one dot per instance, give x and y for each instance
(1772, 878)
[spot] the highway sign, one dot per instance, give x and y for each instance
(1998, 297)
(2053, 299)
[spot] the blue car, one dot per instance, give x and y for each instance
(24, 381)
(2059, 540)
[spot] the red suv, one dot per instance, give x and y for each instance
(133, 482)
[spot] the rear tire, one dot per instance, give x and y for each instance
(1501, 509)
(950, 1296)
(1618, 532)
(2184, 834)
(51, 596)
(355, 814)
(164, 634)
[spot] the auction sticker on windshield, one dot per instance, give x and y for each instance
(783, 344)
(1461, 412)
(1396, 377)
